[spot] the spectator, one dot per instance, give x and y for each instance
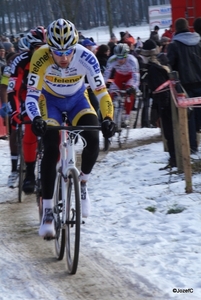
(197, 28)
(15, 43)
(184, 55)
(158, 74)
(112, 43)
(81, 37)
(89, 44)
(9, 47)
(102, 55)
(139, 43)
(2, 56)
(154, 34)
(127, 38)
(164, 42)
(197, 25)
(168, 33)
(122, 34)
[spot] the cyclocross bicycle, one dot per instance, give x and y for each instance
(67, 198)
(122, 128)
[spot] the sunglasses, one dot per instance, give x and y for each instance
(62, 52)
(121, 57)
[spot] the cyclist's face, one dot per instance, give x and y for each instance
(63, 61)
(121, 61)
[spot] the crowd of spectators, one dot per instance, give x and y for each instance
(164, 58)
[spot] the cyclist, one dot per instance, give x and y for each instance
(56, 79)
(6, 70)
(126, 76)
(16, 97)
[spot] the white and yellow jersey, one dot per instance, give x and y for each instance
(63, 83)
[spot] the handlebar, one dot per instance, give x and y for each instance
(75, 128)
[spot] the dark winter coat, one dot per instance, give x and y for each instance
(102, 61)
(157, 75)
(184, 56)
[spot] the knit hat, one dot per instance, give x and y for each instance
(122, 34)
(149, 48)
(8, 45)
(156, 27)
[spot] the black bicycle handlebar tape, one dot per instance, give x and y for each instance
(74, 128)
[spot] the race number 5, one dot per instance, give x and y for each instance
(33, 80)
(98, 80)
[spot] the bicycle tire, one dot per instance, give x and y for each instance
(21, 164)
(73, 215)
(60, 231)
(38, 180)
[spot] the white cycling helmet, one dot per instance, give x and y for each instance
(121, 50)
(37, 37)
(62, 34)
(23, 44)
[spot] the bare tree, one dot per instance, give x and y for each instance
(20, 15)
(109, 15)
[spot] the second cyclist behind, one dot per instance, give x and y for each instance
(126, 76)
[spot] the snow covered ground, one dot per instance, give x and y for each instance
(101, 34)
(142, 220)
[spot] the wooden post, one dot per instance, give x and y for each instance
(185, 147)
(176, 133)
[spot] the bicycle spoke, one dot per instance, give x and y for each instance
(60, 231)
(73, 222)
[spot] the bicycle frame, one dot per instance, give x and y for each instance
(67, 198)
(67, 154)
(118, 103)
(120, 96)
(67, 161)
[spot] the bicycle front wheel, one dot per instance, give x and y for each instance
(59, 228)
(73, 214)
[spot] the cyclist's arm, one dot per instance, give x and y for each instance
(34, 87)
(33, 94)
(97, 85)
(105, 102)
(13, 90)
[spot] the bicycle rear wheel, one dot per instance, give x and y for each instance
(73, 214)
(60, 231)
(38, 179)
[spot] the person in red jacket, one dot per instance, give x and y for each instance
(169, 33)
